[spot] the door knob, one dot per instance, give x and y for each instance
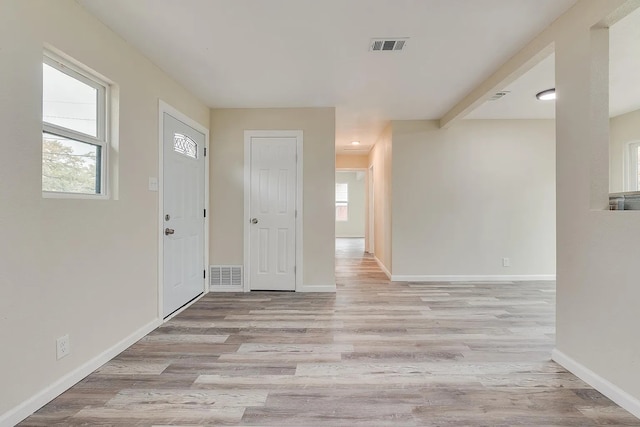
(168, 231)
(254, 220)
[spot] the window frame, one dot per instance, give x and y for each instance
(631, 166)
(102, 124)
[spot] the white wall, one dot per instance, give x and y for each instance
(380, 158)
(465, 197)
(87, 268)
(623, 129)
(355, 225)
(227, 184)
(597, 290)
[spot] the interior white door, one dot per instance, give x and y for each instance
(272, 235)
(183, 213)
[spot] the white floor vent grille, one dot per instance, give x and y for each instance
(225, 277)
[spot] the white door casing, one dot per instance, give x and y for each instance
(372, 238)
(183, 215)
(272, 197)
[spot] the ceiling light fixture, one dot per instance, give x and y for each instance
(355, 143)
(547, 95)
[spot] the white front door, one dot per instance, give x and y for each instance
(183, 213)
(272, 232)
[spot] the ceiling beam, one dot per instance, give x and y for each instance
(584, 13)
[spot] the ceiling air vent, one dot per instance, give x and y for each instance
(499, 95)
(388, 45)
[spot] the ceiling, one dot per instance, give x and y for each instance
(311, 53)
(521, 101)
(624, 80)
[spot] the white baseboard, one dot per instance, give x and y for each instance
(475, 278)
(383, 268)
(350, 236)
(31, 405)
(317, 288)
(612, 391)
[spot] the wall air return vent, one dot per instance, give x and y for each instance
(225, 277)
(499, 95)
(388, 45)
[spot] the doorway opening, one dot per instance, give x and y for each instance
(351, 214)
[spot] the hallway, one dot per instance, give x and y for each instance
(376, 353)
(355, 266)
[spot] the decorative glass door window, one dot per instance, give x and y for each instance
(184, 145)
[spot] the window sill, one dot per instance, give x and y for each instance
(60, 195)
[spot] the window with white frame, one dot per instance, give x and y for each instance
(342, 202)
(633, 166)
(74, 130)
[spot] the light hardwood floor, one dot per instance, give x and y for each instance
(376, 353)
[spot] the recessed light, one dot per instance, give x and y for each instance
(355, 143)
(547, 95)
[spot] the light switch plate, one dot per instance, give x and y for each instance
(153, 183)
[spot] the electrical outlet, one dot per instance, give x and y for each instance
(506, 262)
(63, 347)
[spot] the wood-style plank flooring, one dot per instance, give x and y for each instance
(376, 353)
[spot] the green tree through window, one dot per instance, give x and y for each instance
(68, 166)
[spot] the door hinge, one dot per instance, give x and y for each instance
(205, 151)
(204, 274)
(205, 213)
